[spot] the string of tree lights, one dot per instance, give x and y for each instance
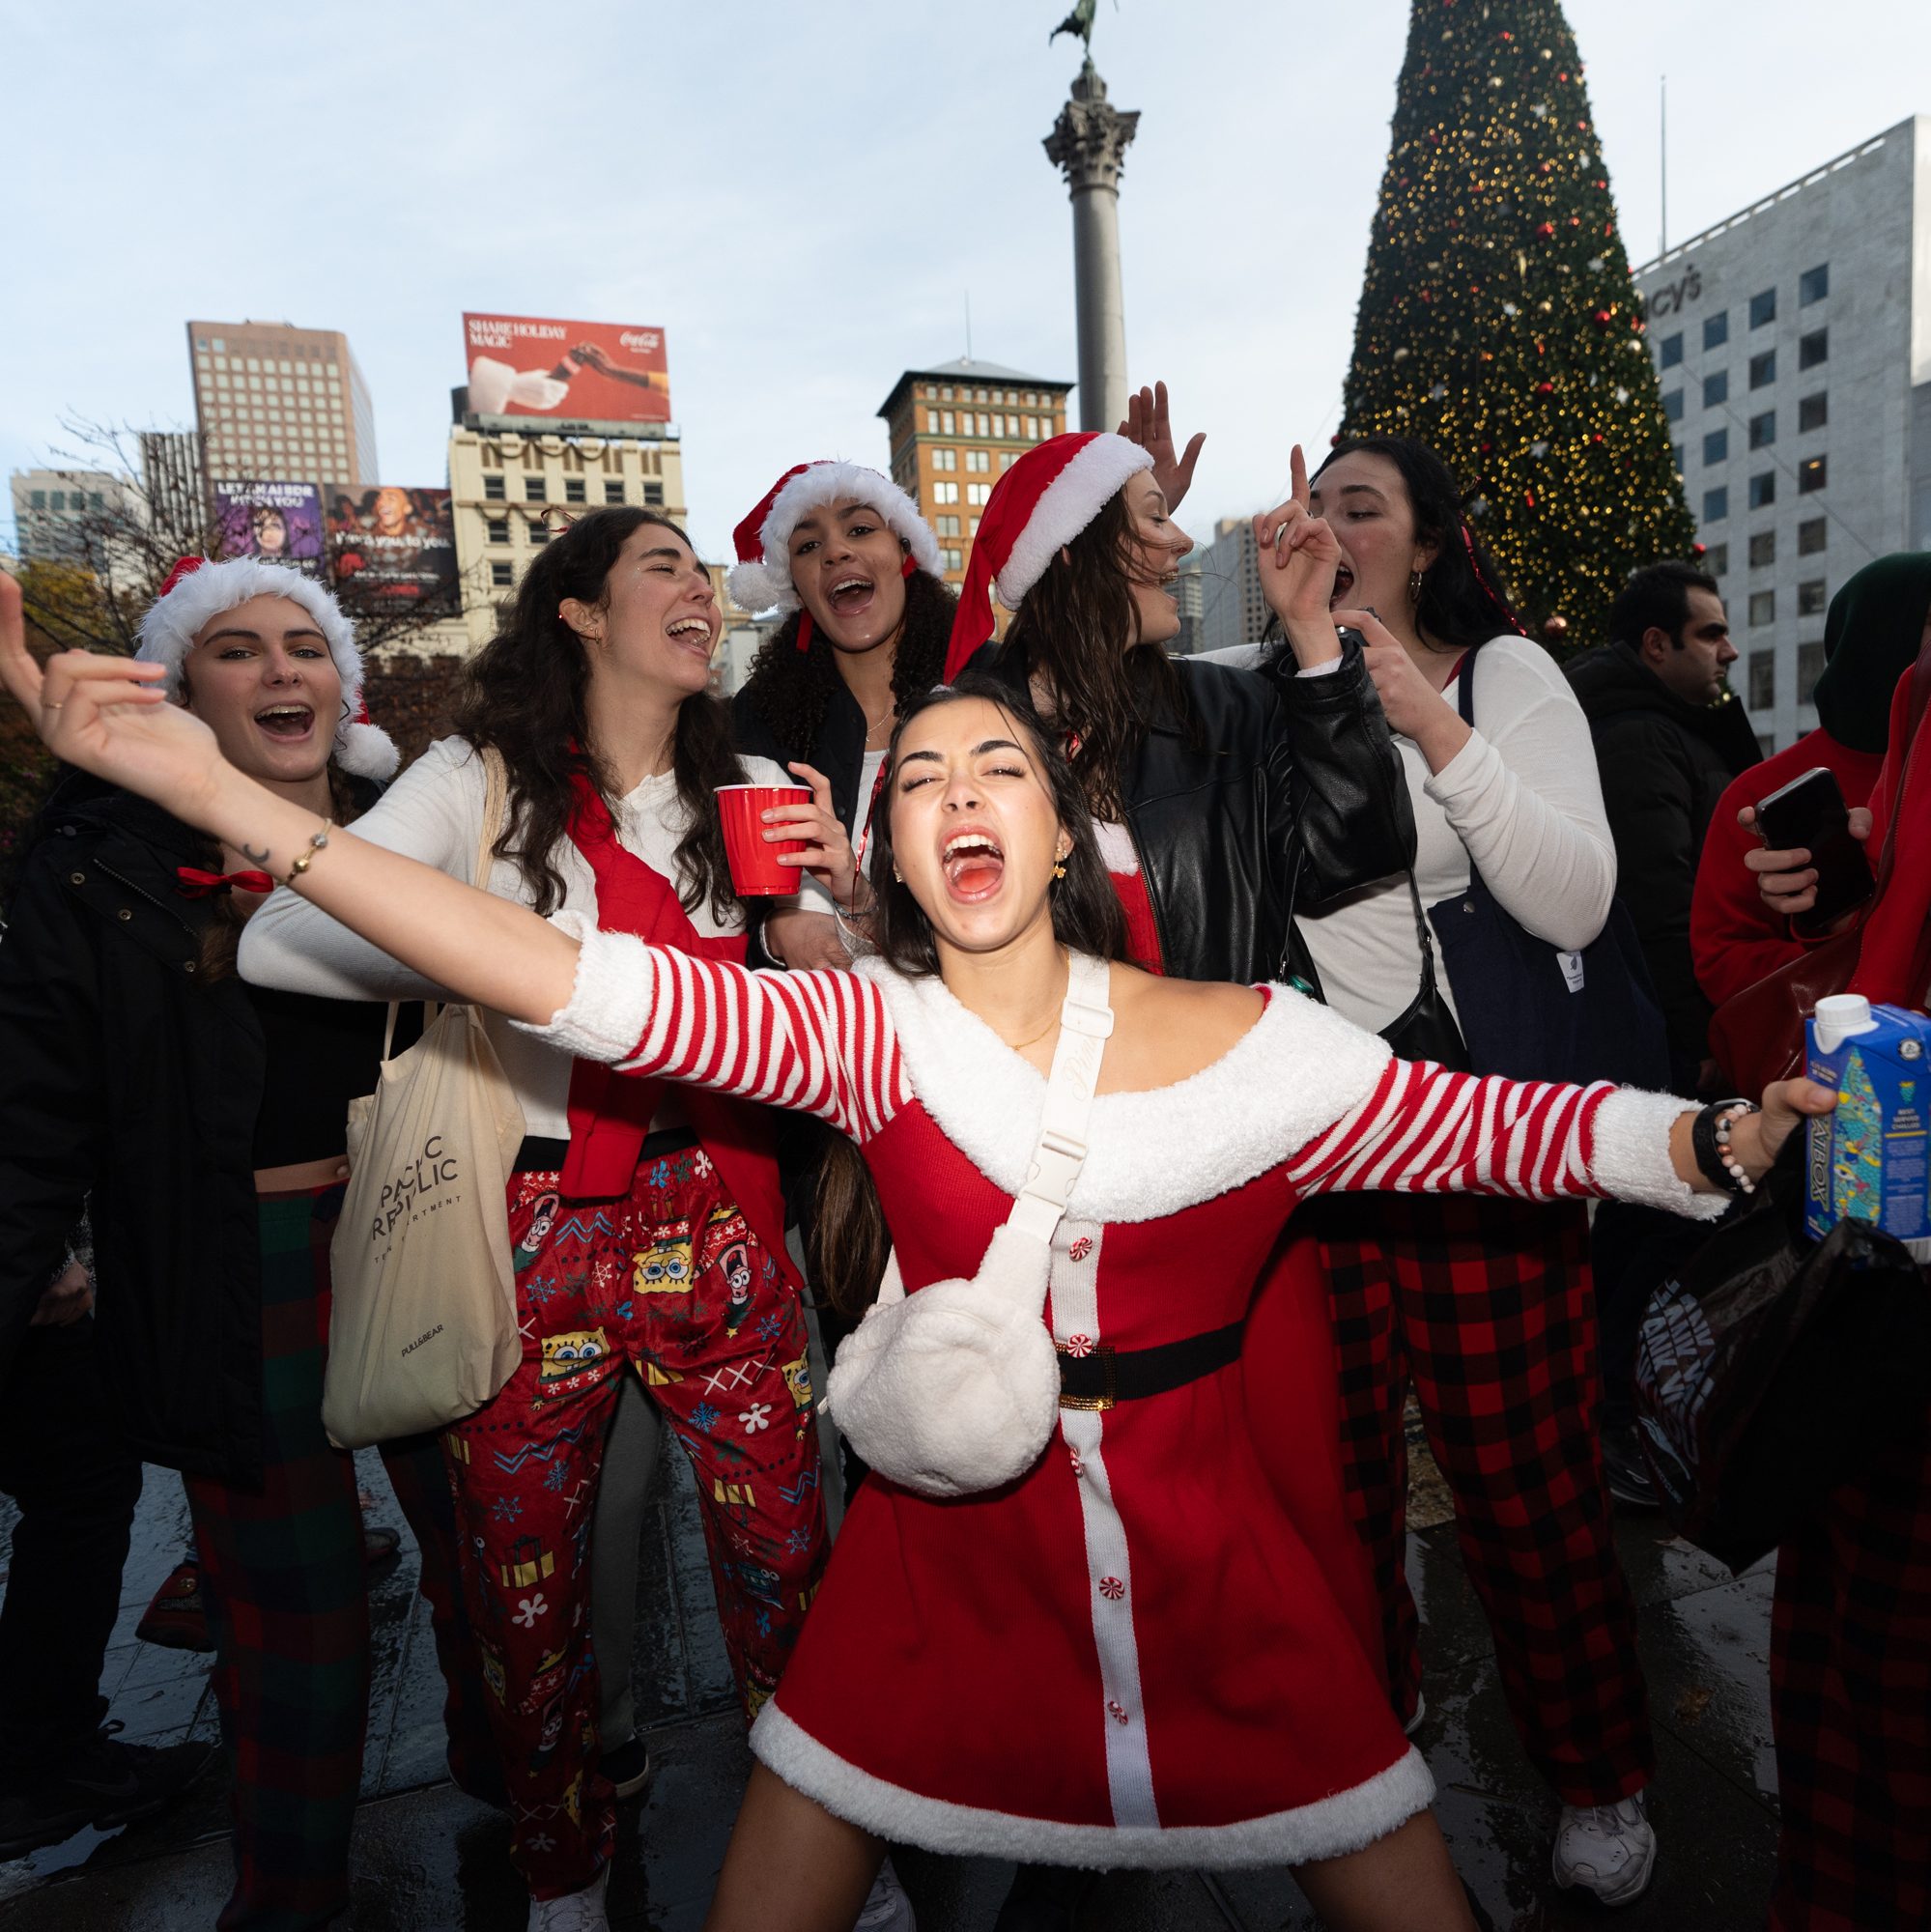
(1498, 321)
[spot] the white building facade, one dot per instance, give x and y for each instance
(1793, 341)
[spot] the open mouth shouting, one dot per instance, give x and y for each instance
(287, 724)
(1344, 585)
(851, 594)
(974, 863)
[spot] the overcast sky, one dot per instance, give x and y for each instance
(802, 196)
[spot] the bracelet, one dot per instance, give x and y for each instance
(1710, 1142)
(315, 842)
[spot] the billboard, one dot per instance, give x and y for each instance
(584, 371)
(391, 546)
(280, 523)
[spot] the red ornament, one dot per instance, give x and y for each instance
(1597, 437)
(1604, 318)
(1555, 628)
(1608, 228)
(1699, 550)
(1545, 167)
(1528, 498)
(1546, 230)
(1506, 35)
(1545, 388)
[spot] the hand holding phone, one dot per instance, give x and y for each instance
(1809, 815)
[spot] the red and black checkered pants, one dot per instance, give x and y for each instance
(1488, 1306)
(1850, 1674)
(286, 1577)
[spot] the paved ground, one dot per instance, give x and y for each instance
(428, 1859)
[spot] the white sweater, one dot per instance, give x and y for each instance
(1522, 798)
(433, 812)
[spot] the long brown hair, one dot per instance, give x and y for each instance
(1078, 628)
(847, 1240)
(790, 690)
(525, 695)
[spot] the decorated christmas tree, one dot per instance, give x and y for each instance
(1498, 321)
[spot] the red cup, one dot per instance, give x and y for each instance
(755, 872)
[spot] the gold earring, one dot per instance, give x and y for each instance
(1415, 586)
(1059, 862)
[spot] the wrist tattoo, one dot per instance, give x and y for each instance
(260, 857)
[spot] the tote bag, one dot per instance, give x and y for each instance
(423, 1327)
(1532, 1011)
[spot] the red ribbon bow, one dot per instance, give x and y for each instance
(192, 883)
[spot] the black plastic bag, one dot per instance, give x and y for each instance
(1774, 1368)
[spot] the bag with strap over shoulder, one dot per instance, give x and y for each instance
(423, 1327)
(956, 1388)
(1533, 1011)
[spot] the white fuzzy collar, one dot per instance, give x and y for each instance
(1295, 1072)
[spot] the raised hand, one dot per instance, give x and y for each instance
(828, 849)
(1299, 555)
(109, 715)
(1148, 424)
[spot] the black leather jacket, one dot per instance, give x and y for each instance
(1305, 772)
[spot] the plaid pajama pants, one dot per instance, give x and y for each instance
(287, 1592)
(1488, 1305)
(669, 1281)
(1849, 1675)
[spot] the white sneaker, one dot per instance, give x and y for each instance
(1414, 1724)
(886, 1908)
(575, 1912)
(1608, 1849)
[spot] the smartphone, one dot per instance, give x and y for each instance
(1809, 812)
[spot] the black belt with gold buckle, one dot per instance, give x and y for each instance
(1099, 1376)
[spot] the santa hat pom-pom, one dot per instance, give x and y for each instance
(366, 751)
(755, 586)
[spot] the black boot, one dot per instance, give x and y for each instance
(104, 1784)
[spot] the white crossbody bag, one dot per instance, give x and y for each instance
(956, 1388)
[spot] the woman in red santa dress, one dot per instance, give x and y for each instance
(1123, 1655)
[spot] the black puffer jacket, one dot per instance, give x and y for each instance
(1218, 817)
(1664, 764)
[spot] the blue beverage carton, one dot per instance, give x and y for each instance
(1868, 1160)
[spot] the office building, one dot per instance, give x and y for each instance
(64, 515)
(953, 430)
(509, 491)
(1231, 609)
(1792, 342)
(1190, 596)
(281, 404)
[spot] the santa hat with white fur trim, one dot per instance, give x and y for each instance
(197, 591)
(1042, 503)
(761, 578)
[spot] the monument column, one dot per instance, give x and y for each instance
(1089, 143)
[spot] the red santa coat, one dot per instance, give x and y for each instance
(1136, 1655)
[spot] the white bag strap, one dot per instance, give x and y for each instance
(495, 795)
(1085, 1024)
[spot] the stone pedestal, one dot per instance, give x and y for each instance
(1089, 143)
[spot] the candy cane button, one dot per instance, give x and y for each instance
(1112, 1589)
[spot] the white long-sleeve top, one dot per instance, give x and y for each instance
(434, 812)
(1522, 799)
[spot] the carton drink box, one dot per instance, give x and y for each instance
(1869, 1158)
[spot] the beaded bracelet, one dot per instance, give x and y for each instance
(1709, 1141)
(315, 842)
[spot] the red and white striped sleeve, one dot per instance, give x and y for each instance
(1425, 1130)
(820, 1043)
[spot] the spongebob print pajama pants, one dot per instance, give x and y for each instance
(668, 1282)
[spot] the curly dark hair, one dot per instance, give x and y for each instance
(1078, 628)
(1086, 909)
(790, 689)
(525, 696)
(1462, 602)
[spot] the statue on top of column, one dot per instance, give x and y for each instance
(1080, 22)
